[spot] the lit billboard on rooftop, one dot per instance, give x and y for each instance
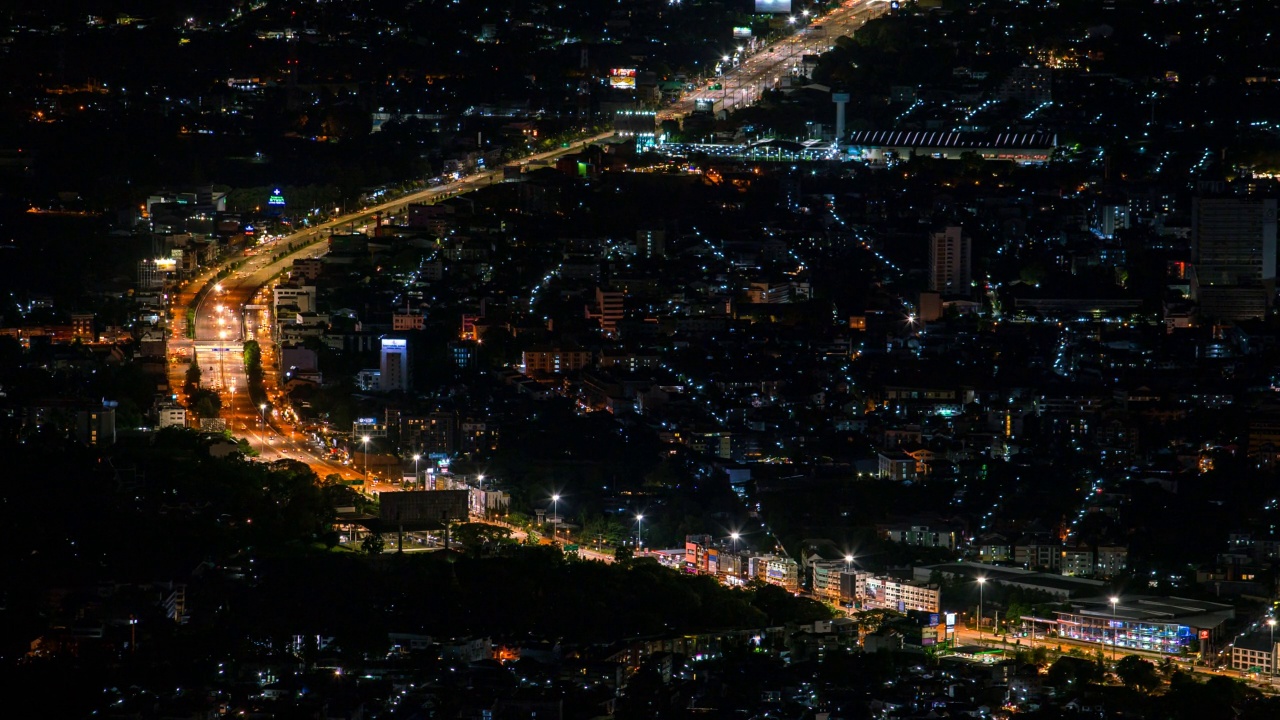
(773, 6)
(622, 78)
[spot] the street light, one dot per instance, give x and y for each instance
(365, 440)
(1271, 623)
(263, 409)
(416, 458)
(1115, 634)
(639, 531)
(555, 518)
(847, 560)
(981, 582)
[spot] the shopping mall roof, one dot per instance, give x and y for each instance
(960, 140)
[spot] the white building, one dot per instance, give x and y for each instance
(1253, 653)
(171, 416)
(901, 595)
(302, 297)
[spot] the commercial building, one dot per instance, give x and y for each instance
(936, 536)
(307, 269)
(1077, 560)
(884, 146)
(825, 583)
(608, 309)
(394, 371)
(300, 297)
(896, 465)
(82, 327)
(1234, 246)
(405, 321)
(1139, 622)
(950, 272)
(1111, 560)
(96, 425)
(781, 571)
(651, 243)
(1033, 552)
(171, 415)
(1254, 654)
(553, 361)
(700, 555)
(901, 595)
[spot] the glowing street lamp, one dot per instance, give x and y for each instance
(263, 409)
(555, 518)
(981, 582)
(365, 440)
(639, 531)
(1115, 633)
(1271, 669)
(416, 458)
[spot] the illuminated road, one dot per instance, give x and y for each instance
(765, 69)
(233, 310)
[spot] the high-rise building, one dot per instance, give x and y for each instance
(96, 425)
(608, 309)
(651, 243)
(394, 368)
(1234, 242)
(950, 272)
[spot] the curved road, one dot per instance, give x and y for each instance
(222, 322)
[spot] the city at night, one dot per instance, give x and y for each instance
(640, 359)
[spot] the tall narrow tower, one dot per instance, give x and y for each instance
(840, 99)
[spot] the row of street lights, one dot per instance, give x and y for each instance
(555, 521)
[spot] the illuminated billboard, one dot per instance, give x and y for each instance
(773, 6)
(704, 105)
(741, 32)
(276, 199)
(622, 78)
(433, 508)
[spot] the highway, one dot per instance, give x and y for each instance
(765, 68)
(234, 309)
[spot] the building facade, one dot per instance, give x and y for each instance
(950, 272)
(1234, 246)
(394, 374)
(900, 595)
